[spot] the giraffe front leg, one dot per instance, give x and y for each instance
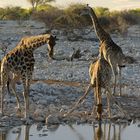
(26, 102)
(95, 104)
(2, 96)
(120, 82)
(50, 52)
(3, 84)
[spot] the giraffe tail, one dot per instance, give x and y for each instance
(8, 87)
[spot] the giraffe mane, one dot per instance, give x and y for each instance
(32, 39)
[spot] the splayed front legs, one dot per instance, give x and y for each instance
(79, 101)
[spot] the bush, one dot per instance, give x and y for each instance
(47, 16)
(54, 17)
(121, 20)
(14, 13)
(70, 17)
(101, 11)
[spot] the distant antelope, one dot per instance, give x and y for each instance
(111, 51)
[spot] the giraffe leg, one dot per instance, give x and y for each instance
(26, 98)
(50, 51)
(26, 85)
(4, 79)
(79, 101)
(18, 111)
(120, 81)
(11, 84)
(2, 97)
(115, 73)
(95, 103)
(108, 102)
(118, 104)
(99, 102)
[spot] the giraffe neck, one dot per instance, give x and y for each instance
(100, 32)
(34, 42)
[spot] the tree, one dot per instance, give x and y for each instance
(36, 3)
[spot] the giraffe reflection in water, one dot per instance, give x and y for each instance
(26, 132)
(21, 133)
(101, 131)
(2, 136)
(108, 131)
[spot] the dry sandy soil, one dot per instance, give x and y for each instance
(57, 85)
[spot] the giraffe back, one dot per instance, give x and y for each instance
(100, 70)
(112, 52)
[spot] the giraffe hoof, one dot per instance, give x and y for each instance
(66, 114)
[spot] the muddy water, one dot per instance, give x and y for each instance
(104, 131)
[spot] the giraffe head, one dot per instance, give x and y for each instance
(51, 43)
(86, 10)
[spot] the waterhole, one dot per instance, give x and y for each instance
(102, 131)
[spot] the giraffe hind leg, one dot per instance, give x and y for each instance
(99, 101)
(18, 111)
(108, 102)
(120, 82)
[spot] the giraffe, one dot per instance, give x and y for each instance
(20, 61)
(109, 49)
(100, 77)
(100, 73)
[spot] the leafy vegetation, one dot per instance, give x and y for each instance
(14, 13)
(70, 17)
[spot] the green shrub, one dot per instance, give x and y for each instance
(14, 13)
(101, 11)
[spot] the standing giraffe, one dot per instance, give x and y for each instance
(20, 61)
(100, 74)
(100, 77)
(110, 50)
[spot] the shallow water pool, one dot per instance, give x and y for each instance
(104, 131)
